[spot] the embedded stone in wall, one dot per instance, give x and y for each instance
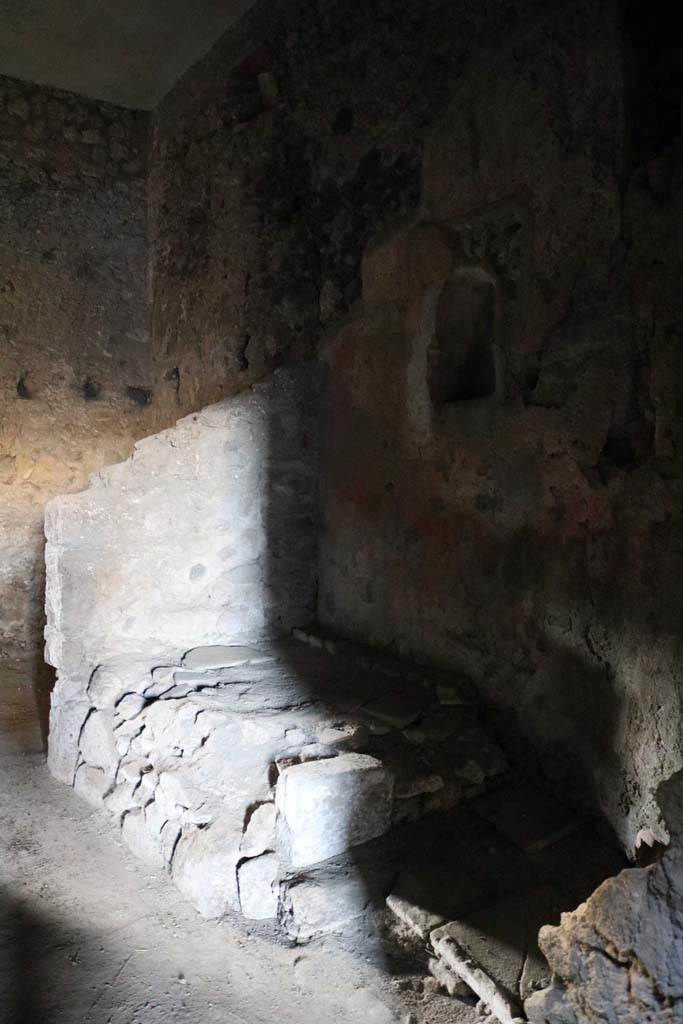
(331, 805)
(258, 888)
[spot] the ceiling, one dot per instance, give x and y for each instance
(129, 52)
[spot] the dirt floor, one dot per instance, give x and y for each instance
(90, 935)
(25, 686)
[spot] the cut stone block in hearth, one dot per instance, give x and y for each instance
(318, 906)
(258, 887)
(333, 804)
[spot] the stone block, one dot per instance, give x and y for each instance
(66, 722)
(258, 888)
(329, 806)
(205, 867)
(97, 744)
(139, 839)
(91, 784)
(317, 907)
(259, 835)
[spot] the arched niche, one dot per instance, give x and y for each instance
(462, 363)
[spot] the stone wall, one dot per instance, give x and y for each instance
(75, 367)
(277, 157)
(206, 535)
(502, 438)
(505, 510)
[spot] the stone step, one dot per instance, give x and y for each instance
(486, 878)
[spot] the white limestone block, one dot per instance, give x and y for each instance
(258, 887)
(329, 806)
(91, 784)
(320, 907)
(97, 744)
(66, 722)
(205, 867)
(259, 835)
(140, 839)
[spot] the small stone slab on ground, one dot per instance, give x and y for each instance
(396, 709)
(527, 816)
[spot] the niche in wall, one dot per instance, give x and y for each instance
(462, 363)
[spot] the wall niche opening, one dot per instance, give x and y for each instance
(462, 363)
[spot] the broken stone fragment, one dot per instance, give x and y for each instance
(155, 817)
(162, 681)
(258, 888)
(97, 744)
(91, 784)
(139, 839)
(168, 839)
(66, 722)
(120, 799)
(551, 1006)
(131, 771)
(125, 733)
(105, 687)
(205, 866)
(347, 734)
(312, 907)
(145, 788)
(259, 835)
(329, 806)
(116, 676)
(179, 791)
(129, 706)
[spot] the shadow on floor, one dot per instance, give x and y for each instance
(24, 936)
